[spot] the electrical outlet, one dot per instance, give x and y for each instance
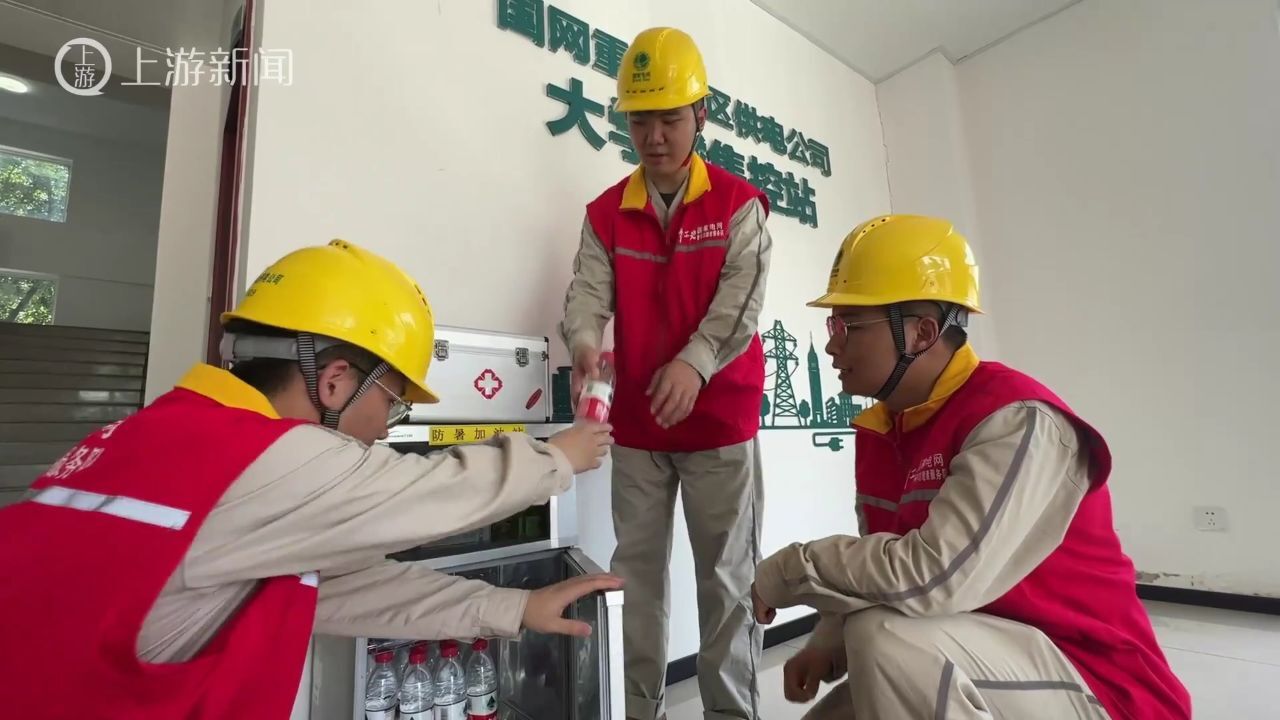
(1210, 519)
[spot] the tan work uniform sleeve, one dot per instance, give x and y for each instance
(321, 501)
(397, 599)
(1011, 494)
(588, 304)
(732, 320)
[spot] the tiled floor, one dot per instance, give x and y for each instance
(1229, 661)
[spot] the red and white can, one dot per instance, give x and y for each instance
(597, 397)
(596, 401)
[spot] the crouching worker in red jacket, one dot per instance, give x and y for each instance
(988, 580)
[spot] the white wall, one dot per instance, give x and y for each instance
(184, 255)
(1124, 167)
(104, 254)
(406, 142)
(928, 165)
(188, 218)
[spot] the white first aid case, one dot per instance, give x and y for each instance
(487, 377)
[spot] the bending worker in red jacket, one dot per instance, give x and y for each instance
(175, 564)
(679, 251)
(987, 581)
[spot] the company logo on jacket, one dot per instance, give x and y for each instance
(932, 469)
(703, 233)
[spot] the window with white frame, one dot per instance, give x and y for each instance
(34, 185)
(27, 297)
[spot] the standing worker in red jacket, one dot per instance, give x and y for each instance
(678, 251)
(988, 580)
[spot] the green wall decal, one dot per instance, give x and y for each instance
(556, 31)
(778, 408)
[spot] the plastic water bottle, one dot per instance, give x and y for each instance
(451, 685)
(417, 692)
(402, 662)
(597, 396)
(380, 691)
(433, 659)
(482, 683)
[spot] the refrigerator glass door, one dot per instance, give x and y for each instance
(546, 677)
(597, 669)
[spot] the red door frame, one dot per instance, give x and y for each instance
(226, 241)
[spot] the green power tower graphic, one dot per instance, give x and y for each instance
(830, 417)
(781, 349)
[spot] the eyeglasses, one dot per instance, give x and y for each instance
(399, 411)
(838, 327)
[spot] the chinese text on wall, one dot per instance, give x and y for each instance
(549, 27)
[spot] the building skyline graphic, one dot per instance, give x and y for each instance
(817, 411)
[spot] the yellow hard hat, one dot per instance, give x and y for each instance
(898, 258)
(661, 70)
(347, 293)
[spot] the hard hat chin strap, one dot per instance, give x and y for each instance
(954, 316)
(303, 348)
(311, 375)
(700, 126)
(898, 327)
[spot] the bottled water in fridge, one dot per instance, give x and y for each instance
(482, 683)
(433, 658)
(402, 662)
(417, 691)
(451, 685)
(380, 691)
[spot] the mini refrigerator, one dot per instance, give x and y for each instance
(491, 383)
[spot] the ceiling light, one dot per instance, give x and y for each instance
(13, 84)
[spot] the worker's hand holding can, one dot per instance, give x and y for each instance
(586, 367)
(597, 397)
(585, 444)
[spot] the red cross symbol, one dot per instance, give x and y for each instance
(488, 384)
